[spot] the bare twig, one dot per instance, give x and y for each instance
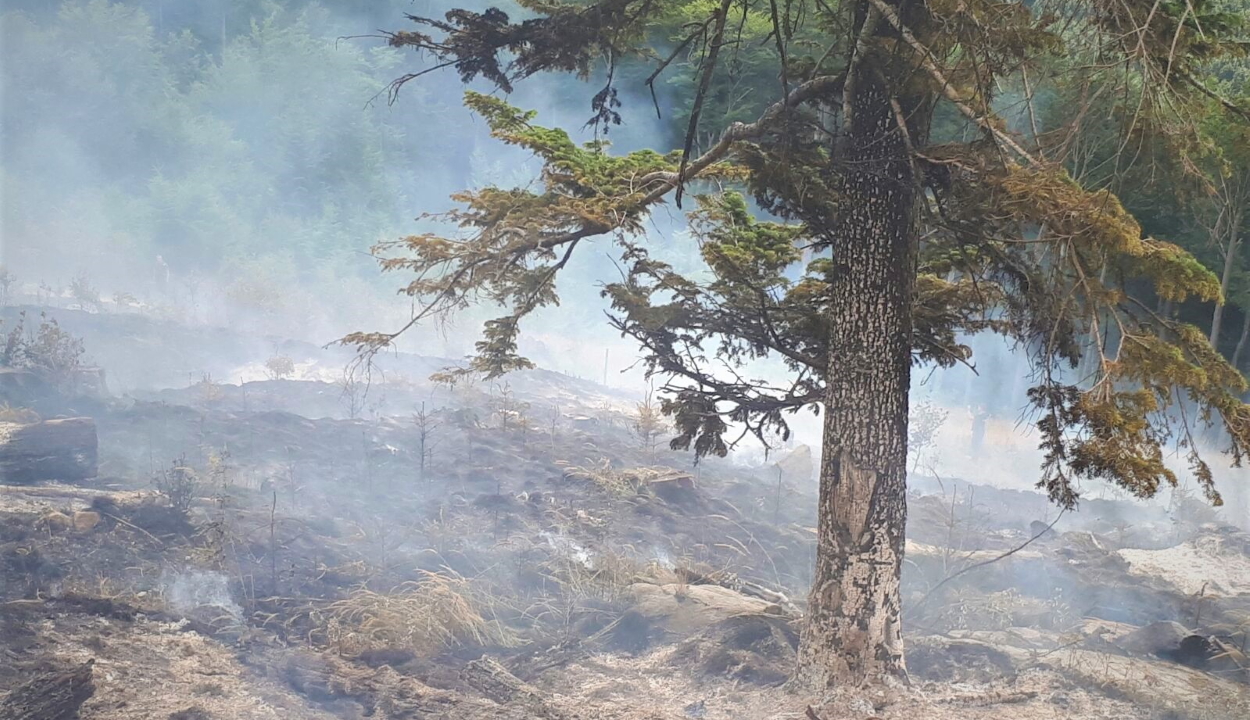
(992, 560)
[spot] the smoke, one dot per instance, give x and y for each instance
(187, 592)
(230, 163)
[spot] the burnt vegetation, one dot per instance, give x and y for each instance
(938, 407)
(907, 218)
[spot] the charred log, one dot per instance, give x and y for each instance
(495, 682)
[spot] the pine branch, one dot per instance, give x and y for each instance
(926, 61)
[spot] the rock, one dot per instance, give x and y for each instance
(861, 706)
(1023, 638)
(1040, 530)
(1029, 612)
(1173, 641)
(85, 520)
(56, 521)
(1161, 639)
(1211, 563)
(686, 609)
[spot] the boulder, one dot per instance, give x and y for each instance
(85, 520)
(683, 610)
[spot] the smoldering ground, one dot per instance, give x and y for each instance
(191, 190)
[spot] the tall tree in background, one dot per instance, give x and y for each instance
(885, 152)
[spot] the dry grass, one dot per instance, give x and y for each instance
(425, 617)
(8, 413)
(605, 576)
(577, 583)
(624, 482)
(966, 608)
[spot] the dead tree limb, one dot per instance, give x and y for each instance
(992, 560)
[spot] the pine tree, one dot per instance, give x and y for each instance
(885, 153)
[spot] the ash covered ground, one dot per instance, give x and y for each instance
(305, 547)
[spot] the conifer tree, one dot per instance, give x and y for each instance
(885, 150)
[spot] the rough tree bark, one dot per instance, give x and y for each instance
(853, 632)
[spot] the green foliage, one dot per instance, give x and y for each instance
(84, 293)
(279, 367)
(48, 351)
(177, 484)
(140, 136)
(1030, 238)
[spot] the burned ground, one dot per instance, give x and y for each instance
(544, 563)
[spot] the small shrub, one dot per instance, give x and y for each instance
(511, 411)
(924, 424)
(49, 351)
(83, 292)
(7, 279)
(427, 423)
(279, 367)
(648, 424)
(624, 482)
(209, 391)
(177, 484)
(256, 294)
(352, 392)
(463, 418)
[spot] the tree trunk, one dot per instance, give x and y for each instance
(853, 632)
(1241, 341)
(1230, 262)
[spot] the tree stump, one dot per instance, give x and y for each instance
(50, 696)
(53, 450)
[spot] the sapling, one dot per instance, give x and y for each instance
(427, 422)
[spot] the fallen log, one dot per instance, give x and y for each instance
(50, 696)
(53, 450)
(730, 581)
(75, 492)
(495, 682)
